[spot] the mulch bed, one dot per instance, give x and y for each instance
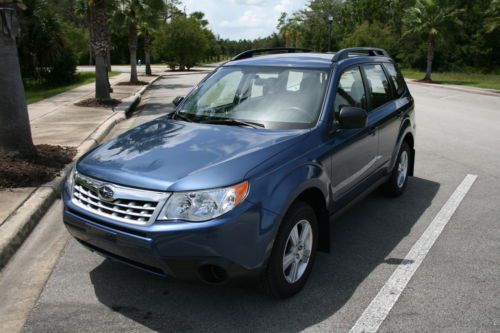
(93, 103)
(16, 171)
(126, 83)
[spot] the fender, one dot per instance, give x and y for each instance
(284, 188)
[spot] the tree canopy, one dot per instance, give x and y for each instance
(464, 34)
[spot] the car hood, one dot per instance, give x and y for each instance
(169, 155)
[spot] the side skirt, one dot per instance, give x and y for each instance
(349, 204)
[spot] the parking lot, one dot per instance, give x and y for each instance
(456, 288)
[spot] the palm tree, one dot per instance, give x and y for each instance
(147, 50)
(15, 131)
(100, 44)
(427, 18)
(135, 15)
(492, 22)
(150, 20)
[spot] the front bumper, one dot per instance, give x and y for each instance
(236, 244)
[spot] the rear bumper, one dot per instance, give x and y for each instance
(233, 246)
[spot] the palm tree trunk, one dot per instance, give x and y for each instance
(91, 35)
(108, 59)
(15, 131)
(100, 43)
(147, 52)
(430, 59)
(132, 45)
(90, 55)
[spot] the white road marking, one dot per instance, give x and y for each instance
(381, 305)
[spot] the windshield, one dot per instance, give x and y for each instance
(276, 98)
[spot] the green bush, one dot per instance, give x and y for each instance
(44, 52)
(62, 70)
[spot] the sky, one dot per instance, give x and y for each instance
(243, 19)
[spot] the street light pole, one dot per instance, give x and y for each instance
(330, 21)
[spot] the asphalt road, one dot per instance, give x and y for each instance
(455, 289)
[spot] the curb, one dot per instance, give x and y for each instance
(17, 227)
(128, 104)
(472, 90)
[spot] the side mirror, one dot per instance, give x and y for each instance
(351, 118)
(177, 100)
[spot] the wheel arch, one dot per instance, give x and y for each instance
(314, 197)
(410, 140)
(405, 135)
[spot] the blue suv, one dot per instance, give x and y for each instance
(242, 179)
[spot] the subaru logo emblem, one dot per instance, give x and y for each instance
(106, 193)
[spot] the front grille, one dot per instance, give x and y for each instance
(122, 204)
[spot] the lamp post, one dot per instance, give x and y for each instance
(330, 21)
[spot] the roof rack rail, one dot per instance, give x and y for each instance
(371, 51)
(252, 53)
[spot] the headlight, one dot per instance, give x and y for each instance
(70, 181)
(200, 206)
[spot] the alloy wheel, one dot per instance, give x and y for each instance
(297, 251)
(402, 168)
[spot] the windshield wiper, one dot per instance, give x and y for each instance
(233, 122)
(178, 115)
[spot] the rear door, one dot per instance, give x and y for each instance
(384, 110)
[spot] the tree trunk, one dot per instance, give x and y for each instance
(108, 59)
(100, 43)
(15, 131)
(90, 55)
(132, 45)
(91, 36)
(147, 52)
(102, 91)
(430, 59)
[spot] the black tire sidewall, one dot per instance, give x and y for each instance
(276, 279)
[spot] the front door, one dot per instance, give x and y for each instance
(354, 151)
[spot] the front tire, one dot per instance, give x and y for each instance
(396, 184)
(293, 252)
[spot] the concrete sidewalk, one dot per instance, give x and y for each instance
(57, 121)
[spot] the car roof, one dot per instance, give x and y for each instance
(308, 60)
(303, 60)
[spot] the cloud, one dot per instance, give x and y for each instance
(243, 19)
(250, 2)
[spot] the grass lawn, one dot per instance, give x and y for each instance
(37, 91)
(491, 81)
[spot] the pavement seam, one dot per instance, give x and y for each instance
(19, 224)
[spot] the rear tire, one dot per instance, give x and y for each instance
(396, 184)
(293, 252)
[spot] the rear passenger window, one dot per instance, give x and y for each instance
(350, 90)
(378, 85)
(396, 78)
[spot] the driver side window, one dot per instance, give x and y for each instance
(350, 90)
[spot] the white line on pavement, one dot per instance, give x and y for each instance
(381, 305)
